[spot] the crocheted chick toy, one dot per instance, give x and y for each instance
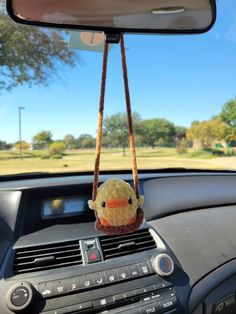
(117, 208)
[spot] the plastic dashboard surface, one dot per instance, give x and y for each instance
(194, 215)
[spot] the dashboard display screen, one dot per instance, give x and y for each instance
(63, 207)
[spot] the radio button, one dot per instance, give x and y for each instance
(103, 302)
(80, 307)
(162, 284)
(145, 269)
(99, 278)
(87, 281)
(46, 289)
(59, 286)
(62, 310)
(124, 296)
(168, 304)
(168, 293)
(150, 308)
(134, 271)
(163, 294)
(156, 296)
(73, 284)
(123, 273)
(111, 275)
(144, 290)
(131, 311)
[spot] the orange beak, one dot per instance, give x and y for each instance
(117, 202)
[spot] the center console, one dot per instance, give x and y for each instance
(103, 277)
(132, 289)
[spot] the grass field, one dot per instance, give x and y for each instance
(83, 160)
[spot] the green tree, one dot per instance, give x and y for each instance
(228, 113)
(30, 54)
(180, 133)
(42, 140)
(3, 145)
(106, 140)
(116, 129)
(230, 136)
(204, 134)
(57, 148)
(158, 132)
(86, 141)
(69, 141)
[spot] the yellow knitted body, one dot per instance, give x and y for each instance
(115, 189)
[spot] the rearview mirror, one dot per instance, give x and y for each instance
(115, 16)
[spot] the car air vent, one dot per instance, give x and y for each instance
(117, 246)
(43, 257)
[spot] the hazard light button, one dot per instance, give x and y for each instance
(92, 256)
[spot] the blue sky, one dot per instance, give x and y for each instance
(181, 78)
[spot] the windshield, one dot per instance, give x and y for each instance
(182, 93)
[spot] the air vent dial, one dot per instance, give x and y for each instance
(163, 265)
(19, 297)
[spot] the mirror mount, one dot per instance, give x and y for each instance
(112, 38)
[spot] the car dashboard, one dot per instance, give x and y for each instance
(182, 259)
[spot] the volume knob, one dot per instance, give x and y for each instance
(163, 265)
(19, 296)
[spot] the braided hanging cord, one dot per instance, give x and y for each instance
(100, 121)
(129, 117)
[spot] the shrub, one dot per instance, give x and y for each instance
(181, 150)
(207, 153)
(22, 145)
(181, 147)
(214, 151)
(230, 152)
(45, 157)
(197, 154)
(57, 148)
(57, 156)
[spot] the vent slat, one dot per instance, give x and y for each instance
(46, 254)
(145, 243)
(127, 252)
(42, 249)
(63, 254)
(57, 258)
(33, 269)
(78, 256)
(141, 240)
(128, 236)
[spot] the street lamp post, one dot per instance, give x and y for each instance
(20, 137)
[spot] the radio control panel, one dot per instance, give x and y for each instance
(132, 288)
(49, 289)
